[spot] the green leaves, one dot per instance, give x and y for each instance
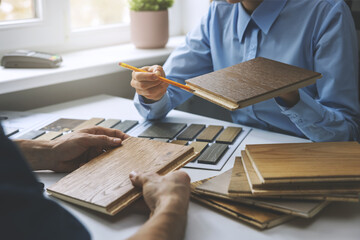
(150, 5)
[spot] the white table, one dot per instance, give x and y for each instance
(338, 221)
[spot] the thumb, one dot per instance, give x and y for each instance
(102, 141)
(139, 180)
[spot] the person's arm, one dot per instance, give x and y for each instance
(333, 114)
(68, 152)
(191, 59)
(168, 199)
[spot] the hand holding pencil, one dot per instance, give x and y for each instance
(150, 82)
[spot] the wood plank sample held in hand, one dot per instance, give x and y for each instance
(250, 82)
(103, 184)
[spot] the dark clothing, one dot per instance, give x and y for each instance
(24, 212)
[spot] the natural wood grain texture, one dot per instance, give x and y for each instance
(180, 142)
(306, 162)
(259, 217)
(229, 135)
(103, 184)
(49, 136)
(199, 147)
(109, 123)
(209, 134)
(63, 125)
(239, 181)
(218, 186)
(126, 125)
(212, 154)
(163, 130)
(31, 135)
(89, 123)
(191, 131)
(250, 82)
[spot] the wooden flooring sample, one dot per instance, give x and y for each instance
(306, 162)
(259, 217)
(109, 123)
(199, 147)
(191, 132)
(163, 130)
(213, 153)
(180, 142)
(250, 82)
(49, 136)
(31, 135)
(209, 134)
(89, 123)
(63, 125)
(229, 135)
(162, 140)
(103, 184)
(218, 186)
(126, 125)
(239, 179)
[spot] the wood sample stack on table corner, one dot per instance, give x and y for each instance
(250, 82)
(103, 184)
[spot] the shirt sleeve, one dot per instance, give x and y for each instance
(25, 212)
(191, 59)
(332, 115)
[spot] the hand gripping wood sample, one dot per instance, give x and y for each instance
(218, 187)
(250, 82)
(103, 184)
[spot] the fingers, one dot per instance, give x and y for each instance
(105, 131)
(98, 141)
(139, 180)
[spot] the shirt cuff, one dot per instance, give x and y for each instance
(306, 112)
(155, 110)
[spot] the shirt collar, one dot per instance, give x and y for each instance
(264, 16)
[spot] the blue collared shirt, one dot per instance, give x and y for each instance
(318, 35)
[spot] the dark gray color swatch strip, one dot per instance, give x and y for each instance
(191, 132)
(109, 123)
(125, 125)
(163, 130)
(31, 135)
(213, 153)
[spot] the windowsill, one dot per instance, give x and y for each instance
(84, 64)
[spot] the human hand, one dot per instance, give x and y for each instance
(148, 84)
(169, 193)
(74, 149)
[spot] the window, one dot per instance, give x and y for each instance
(66, 25)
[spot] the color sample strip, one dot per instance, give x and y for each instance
(191, 132)
(126, 125)
(31, 135)
(109, 123)
(179, 142)
(163, 130)
(89, 123)
(209, 134)
(199, 147)
(10, 131)
(213, 153)
(229, 135)
(161, 139)
(49, 136)
(63, 125)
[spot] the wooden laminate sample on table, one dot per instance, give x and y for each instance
(89, 123)
(63, 125)
(103, 184)
(250, 82)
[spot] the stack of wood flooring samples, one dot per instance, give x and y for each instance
(103, 184)
(294, 179)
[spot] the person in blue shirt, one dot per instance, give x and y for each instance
(318, 35)
(27, 214)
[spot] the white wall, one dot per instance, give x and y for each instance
(192, 12)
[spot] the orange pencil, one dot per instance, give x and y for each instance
(182, 86)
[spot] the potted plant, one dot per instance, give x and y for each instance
(149, 22)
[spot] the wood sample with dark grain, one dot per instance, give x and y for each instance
(213, 154)
(33, 134)
(209, 134)
(218, 187)
(163, 130)
(126, 125)
(63, 125)
(191, 131)
(229, 135)
(250, 82)
(259, 217)
(103, 184)
(305, 162)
